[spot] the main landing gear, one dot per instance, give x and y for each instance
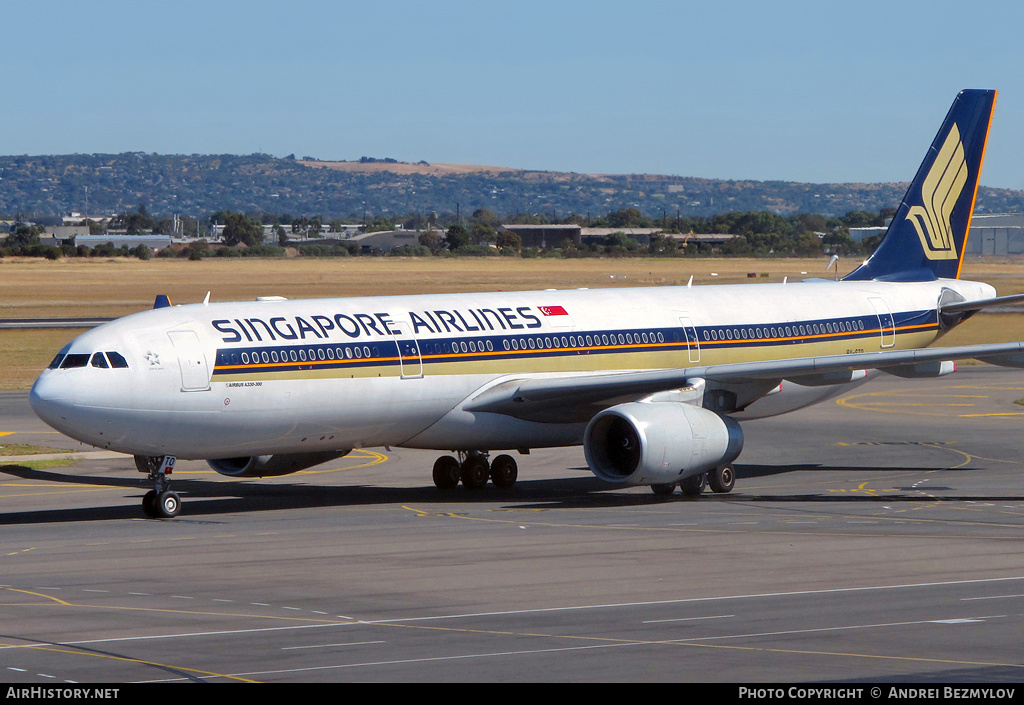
(720, 480)
(473, 470)
(159, 502)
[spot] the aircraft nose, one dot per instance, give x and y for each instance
(51, 399)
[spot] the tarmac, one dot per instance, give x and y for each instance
(873, 538)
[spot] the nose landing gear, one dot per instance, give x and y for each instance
(160, 502)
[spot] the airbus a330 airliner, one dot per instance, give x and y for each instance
(650, 381)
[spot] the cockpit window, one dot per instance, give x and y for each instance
(76, 360)
(101, 360)
(60, 357)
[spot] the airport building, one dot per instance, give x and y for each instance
(992, 235)
(542, 237)
(153, 242)
(997, 235)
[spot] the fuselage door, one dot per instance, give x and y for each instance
(410, 360)
(690, 334)
(195, 371)
(886, 323)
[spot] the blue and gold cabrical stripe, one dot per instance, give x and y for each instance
(635, 348)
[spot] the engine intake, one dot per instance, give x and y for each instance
(645, 443)
(272, 465)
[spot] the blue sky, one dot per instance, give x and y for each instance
(802, 91)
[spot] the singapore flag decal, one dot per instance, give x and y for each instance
(553, 311)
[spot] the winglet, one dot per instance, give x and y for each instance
(927, 237)
(161, 301)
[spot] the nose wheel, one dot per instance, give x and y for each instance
(161, 505)
(160, 502)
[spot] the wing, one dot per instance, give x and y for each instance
(579, 397)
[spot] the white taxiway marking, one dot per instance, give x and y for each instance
(687, 619)
(327, 646)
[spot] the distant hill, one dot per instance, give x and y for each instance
(197, 185)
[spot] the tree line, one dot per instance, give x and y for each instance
(756, 234)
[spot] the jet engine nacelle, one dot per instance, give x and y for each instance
(648, 443)
(272, 465)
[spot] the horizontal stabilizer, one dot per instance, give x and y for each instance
(970, 306)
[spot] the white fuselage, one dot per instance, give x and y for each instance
(277, 376)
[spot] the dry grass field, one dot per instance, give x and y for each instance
(408, 168)
(74, 288)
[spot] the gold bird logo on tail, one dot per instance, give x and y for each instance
(939, 192)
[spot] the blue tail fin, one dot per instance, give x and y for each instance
(927, 236)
